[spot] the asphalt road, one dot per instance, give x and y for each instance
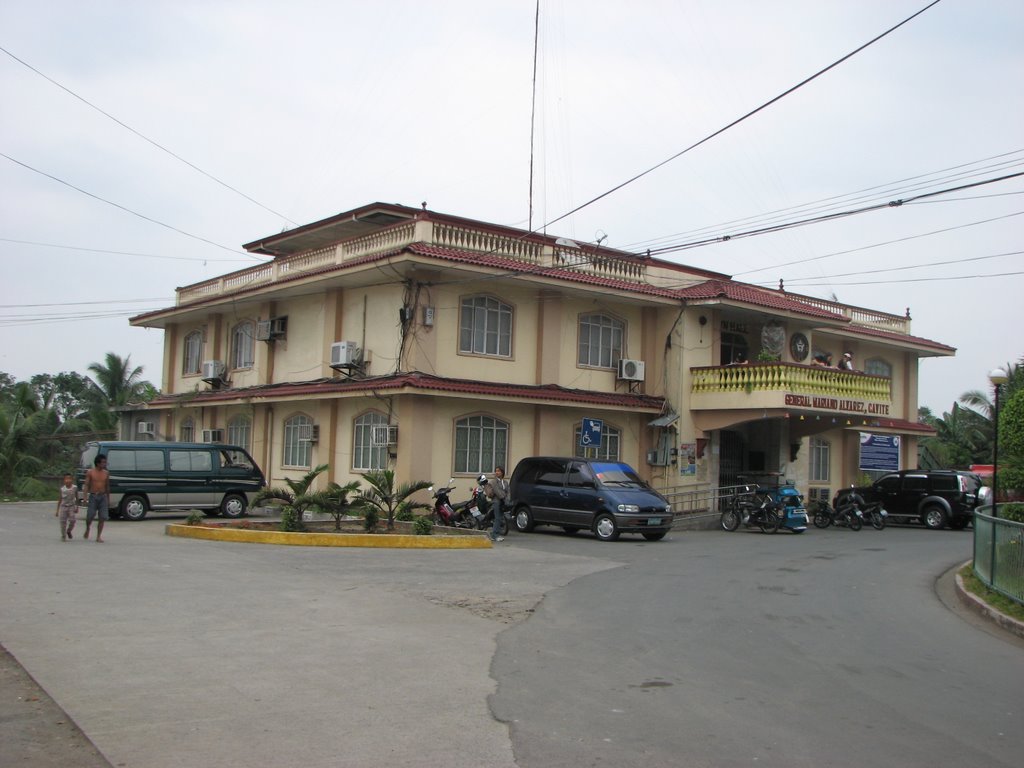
(706, 649)
(826, 649)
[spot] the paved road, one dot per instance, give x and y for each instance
(704, 649)
(827, 649)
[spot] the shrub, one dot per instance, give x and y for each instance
(30, 489)
(1013, 511)
(404, 512)
(195, 518)
(291, 519)
(370, 519)
(423, 526)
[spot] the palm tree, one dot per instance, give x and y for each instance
(333, 501)
(383, 497)
(296, 497)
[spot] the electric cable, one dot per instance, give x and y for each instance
(126, 210)
(119, 253)
(147, 139)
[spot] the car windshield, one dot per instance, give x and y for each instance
(620, 475)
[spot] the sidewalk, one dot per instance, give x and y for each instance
(172, 652)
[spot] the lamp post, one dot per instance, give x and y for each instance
(998, 377)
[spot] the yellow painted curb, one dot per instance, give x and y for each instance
(399, 541)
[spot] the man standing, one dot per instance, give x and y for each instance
(499, 486)
(846, 364)
(97, 490)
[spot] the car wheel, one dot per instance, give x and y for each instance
(571, 529)
(233, 505)
(655, 536)
(605, 528)
(134, 507)
(730, 520)
(524, 519)
(934, 517)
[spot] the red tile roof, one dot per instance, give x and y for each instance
(418, 382)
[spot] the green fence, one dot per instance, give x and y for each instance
(999, 553)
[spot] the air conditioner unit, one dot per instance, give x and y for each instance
(213, 435)
(384, 434)
(278, 327)
(631, 370)
(263, 330)
(309, 433)
(146, 428)
(344, 354)
(213, 371)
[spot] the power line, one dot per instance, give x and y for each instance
(824, 217)
(739, 120)
(803, 280)
(86, 303)
(126, 210)
(916, 280)
(877, 245)
(118, 253)
(147, 139)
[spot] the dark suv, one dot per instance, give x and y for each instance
(935, 497)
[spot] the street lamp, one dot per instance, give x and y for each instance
(998, 377)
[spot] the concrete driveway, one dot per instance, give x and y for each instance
(173, 652)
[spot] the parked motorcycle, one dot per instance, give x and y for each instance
(875, 514)
(446, 514)
(752, 510)
(487, 507)
(849, 514)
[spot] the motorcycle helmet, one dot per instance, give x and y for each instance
(482, 480)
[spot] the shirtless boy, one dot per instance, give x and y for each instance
(97, 489)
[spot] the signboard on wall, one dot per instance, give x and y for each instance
(590, 433)
(879, 453)
(687, 459)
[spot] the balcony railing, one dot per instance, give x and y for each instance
(792, 379)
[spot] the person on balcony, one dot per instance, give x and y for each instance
(846, 362)
(740, 359)
(823, 359)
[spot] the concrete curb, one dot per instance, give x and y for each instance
(979, 606)
(393, 541)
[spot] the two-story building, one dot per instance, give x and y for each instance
(390, 336)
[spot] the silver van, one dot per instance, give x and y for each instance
(153, 476)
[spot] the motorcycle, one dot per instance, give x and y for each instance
(876, 515)
(849, 513)
(752, 510)
(446, 514)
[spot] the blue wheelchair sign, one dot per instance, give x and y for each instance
(590, 433)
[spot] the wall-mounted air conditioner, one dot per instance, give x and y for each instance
(145, 428)
(213, 435)
(344, 354)
(213, 371)
(384, 435)
(272, 329)
(263, 330)
(631, 370)
(309, 433)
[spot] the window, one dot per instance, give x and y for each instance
(240, 431)
(609, 450)
(481, 443)
(365, 455)
(600, 339)
(821, 458)
(485, 327)
(243, 351)
(191, 359)
(147, 461)
(733, 345)
(190, 461)
(878, 367)
(188, 431)
(580, 476)
(297, 453)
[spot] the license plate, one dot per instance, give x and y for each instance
(654, 521)
(474, 512)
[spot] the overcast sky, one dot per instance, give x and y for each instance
(300, 110)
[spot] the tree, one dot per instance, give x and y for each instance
(116, 383)
(1011, 442)
(296, 498)
(333, 501)
(383, 497)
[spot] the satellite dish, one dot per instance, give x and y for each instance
(564, 241)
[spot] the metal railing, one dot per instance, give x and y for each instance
(701, 500)
(999, 553)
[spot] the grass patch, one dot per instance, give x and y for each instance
(999, 601)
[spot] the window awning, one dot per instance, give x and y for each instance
(664, 421)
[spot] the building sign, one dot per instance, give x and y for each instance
(590, 433)
(879, 452)
(687, 458)
(836, 404)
